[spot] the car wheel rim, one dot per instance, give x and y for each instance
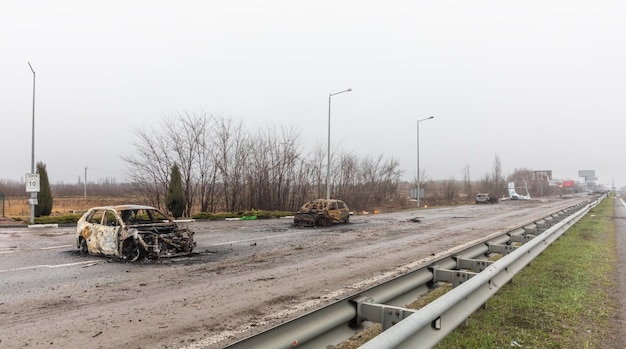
(132, 252)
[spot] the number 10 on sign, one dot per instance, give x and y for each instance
(32, 182)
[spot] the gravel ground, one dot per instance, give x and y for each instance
(246, 276)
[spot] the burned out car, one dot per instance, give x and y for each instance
(131, 232)
(482, 198)
(322, 212)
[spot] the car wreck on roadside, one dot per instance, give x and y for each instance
(132, 233)
(322, 212)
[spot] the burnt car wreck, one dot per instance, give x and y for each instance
(322, 212)
(132, 233)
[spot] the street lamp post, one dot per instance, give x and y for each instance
(328, 163)
(33, 195)
(418, 158)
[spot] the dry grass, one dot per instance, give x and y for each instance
(17, 207)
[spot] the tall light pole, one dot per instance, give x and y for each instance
(328, 163)
(33, 195)
(418, 158)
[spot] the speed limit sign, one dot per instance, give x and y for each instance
(32, 182)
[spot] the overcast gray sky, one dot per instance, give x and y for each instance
(540, 83)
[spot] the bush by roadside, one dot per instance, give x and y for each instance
(244, 215)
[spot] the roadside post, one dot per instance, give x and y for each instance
(32, 187)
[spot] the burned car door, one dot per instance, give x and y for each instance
(344, 211)
(106, 233)
(89, 231)
(332, 210)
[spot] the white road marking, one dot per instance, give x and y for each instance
(53, 247)
(48, 266)
(41, 248)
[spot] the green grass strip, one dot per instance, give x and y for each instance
(565, 298)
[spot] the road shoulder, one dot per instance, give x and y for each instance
(620, 244)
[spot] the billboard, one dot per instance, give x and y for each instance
(586, 173)
(544, 175)
(568, 184)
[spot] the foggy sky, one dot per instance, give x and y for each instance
(538, 83)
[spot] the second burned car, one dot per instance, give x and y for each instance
(322, 212)
(132, 232)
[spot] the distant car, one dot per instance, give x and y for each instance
(482, 198)
(131, 232)
(322, 212)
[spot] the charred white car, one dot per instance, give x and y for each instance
(131, 232)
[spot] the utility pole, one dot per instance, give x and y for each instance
(33, 195)
(328, 151)
(419, 184)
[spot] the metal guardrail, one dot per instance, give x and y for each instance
(432, 323)
(475, 279)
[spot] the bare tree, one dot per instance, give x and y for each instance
(369, 172)
(387, 183)
(271, 168)
(369, 182)
(303, 184)
(451, 189)
(318, 174)
(232, 146)
(467, 180)
(180, 139)
(148, 166)
(11, 188)
(225, 167)
(347, 180)
(258, 170)
(498, 179)
(284, 160)
(207, 178)
(186, 134)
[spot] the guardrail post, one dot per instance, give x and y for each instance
(385, 315)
